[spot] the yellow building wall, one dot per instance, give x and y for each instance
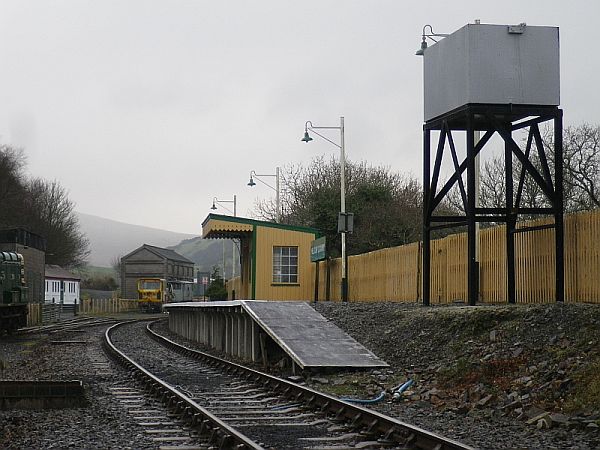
(266, 239)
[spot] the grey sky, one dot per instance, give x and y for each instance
(146, 110)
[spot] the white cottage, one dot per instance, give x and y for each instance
(62, 286)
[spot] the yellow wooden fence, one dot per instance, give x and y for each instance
(394, 274)
(107, 305)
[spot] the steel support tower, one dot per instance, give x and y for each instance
(503, 120)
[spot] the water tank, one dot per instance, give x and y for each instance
(492, 64)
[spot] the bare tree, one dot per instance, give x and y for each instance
(12, 184)
(581, 173)
(386, 205)
(115, 263)
(49, 212)
(581, 156)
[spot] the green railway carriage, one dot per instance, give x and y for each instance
(13, 292)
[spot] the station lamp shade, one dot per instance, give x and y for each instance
(306, 137)
(421, 51)
(251, 182)
(213, 205)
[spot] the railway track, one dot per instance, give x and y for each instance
(75, 324)
(223, 404)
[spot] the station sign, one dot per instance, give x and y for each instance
(317, 250)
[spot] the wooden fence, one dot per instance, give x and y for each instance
(107, 306)
(34, 314)
(40, 313)
(394, 274)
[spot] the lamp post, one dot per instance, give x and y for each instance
(430, 36)
(251, 183)
(309, 126)
(216, 202)
(477, 136)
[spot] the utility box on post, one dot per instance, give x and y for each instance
(492, 64)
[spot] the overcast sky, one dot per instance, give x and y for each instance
(146, 110)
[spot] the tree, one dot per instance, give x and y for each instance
(386, 205)
(115, 263)
(581, 173)
(216, 290)
(50, 213)
(581, 156)
(100, 283)
(42, 207)
(12, 185)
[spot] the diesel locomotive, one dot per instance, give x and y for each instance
(13, 292)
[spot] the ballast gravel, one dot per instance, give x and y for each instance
(417, 342)
(102, 423)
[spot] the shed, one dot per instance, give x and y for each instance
(274, 258)
(62, 286)
(149, 261)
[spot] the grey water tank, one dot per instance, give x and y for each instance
(493, 64)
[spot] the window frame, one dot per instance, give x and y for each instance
(285, 267)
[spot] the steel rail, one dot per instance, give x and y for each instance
(372, 423)
(203, 421)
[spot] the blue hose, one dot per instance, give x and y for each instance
(400, 389)
(365, 402)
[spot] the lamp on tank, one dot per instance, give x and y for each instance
(426, 36)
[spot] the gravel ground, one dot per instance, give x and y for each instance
(525, 376)
(553, 343)
(102, 423)
(526, 351)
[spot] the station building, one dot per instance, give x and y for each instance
(62, 286)
(149, 261)
(274, 258)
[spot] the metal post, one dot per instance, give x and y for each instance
(511, 221)
(472, 263)
(558, 207)
(343, 210)
(233, 242)
(426, 230)
(277, 204)
(477, 137)
(316, 281)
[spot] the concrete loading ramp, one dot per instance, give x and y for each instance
(241, 327)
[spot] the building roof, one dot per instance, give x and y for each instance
(163, 252)
(54, 271)
(217, 226)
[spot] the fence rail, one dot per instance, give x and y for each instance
(394, 274)
(107, 305)
(43, 313)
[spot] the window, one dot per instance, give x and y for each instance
(285, 264)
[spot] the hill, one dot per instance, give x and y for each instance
(109, 238)
(207, 253)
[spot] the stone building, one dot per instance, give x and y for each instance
(33, 249)
(149, 261)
